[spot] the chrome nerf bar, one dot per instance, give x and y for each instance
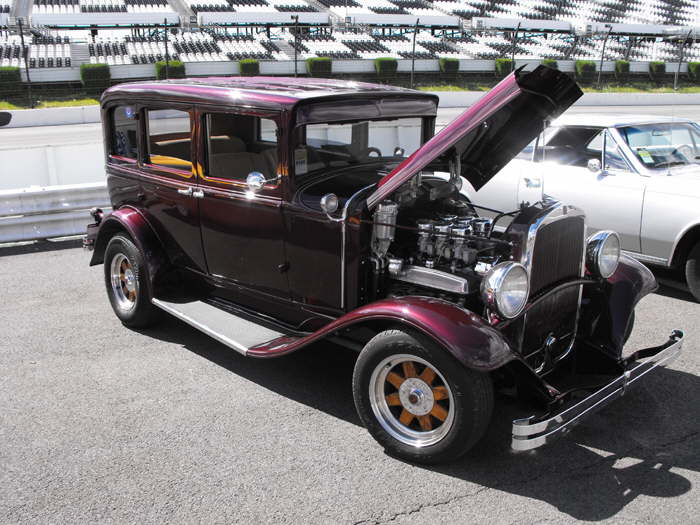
(531, 432)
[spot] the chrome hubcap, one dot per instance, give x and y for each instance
(411, 400)
(416, 396)
(123, 280)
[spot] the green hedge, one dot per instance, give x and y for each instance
(622, 69)
(550, 62)
(176, 69)
(385, 66)
(249, 67)
(694, 71)
(10, 81)
(449, 65)
(95, 77)
(503, 67)
(585, 70)
(319, 66)
(657, 70)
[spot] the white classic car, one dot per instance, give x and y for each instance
(637, 175)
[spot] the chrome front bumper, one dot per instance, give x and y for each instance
(533, 432)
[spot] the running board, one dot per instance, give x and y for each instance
(233, 331)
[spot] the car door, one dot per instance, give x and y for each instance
(601, 182)
(168, 182)
(242, 231)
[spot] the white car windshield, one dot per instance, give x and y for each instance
(337, 145)
(663, 145)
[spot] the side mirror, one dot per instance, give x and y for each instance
(5, 118)
(399, 151)
(255, 181)
(329, 203)
(594, 165)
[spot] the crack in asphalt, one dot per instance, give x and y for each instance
(571, 474)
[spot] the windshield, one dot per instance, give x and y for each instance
(664, 145)
(331, 145)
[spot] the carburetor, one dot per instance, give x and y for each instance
(445, 240)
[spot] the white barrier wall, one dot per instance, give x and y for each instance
(52, 165)
(448, 99)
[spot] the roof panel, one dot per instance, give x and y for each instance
(271, 92)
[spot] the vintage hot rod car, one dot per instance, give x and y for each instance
(271, 213)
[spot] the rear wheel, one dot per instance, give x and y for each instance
(417, 401)
(126, 280)
(692, 271)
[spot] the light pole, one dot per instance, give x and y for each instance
(602, 54)
(680, 60)
(413, 53)
(167, 55)
(515, 42)
(25, 56)
(296, 42)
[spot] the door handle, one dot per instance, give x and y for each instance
(198, 194)
(532, 183)
(186, 191)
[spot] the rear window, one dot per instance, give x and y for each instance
(170, 139)
(124, 133)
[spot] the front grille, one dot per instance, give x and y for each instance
(557, 255)
(558, 252)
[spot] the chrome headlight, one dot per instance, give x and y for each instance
(505, 289)
(603, 253)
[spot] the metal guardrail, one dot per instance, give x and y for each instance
(35, 213)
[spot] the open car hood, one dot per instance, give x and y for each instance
(491, 132)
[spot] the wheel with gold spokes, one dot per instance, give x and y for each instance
(411, 400)
(417, 400)
(126, 280)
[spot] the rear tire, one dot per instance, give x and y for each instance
(692, 271)
(417, 400)
(127, 283)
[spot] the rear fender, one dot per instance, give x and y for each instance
(132, 222)
(462, 333)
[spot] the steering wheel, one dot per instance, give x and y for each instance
(368, 151)
(685, 150)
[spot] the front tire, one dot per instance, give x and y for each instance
(127, 283)
(692, 271)
(417, 401)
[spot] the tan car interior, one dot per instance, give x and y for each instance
(235, 150)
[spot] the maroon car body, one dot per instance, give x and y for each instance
(272, 252)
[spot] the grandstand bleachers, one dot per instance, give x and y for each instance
(386, 30)
(43, 52)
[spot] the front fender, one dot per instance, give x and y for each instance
(132, 222)
(462, 333)
(610, 306)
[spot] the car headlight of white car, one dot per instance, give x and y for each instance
(603, 253)
(505, 289)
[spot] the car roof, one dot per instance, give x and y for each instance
(265, 92)
(610, 120)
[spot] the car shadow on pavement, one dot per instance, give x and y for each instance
(672, 284)
(39, 246)
(626, 450)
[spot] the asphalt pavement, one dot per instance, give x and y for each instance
(100, 423)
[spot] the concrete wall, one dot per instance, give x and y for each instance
(52, 165)
(448, 99)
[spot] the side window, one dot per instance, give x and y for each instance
(267, 130)
(169, 139)
(613, 157)
(124, 133)
(237, 145)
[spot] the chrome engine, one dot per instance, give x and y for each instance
(449, 253)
